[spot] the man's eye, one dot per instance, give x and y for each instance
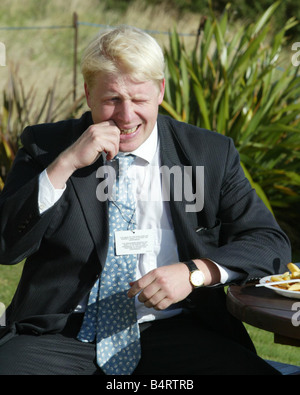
(112, 100)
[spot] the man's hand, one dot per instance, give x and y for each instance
(170, 284)
(163, 286)
(104, 136)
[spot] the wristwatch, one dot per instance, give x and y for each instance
(196, 276)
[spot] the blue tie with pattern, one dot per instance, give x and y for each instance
(110, 316)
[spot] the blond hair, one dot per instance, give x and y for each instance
(124, 49)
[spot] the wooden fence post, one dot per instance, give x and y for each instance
(75, 26)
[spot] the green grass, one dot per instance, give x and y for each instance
(9, 278)
(267, 349)
(263, 341)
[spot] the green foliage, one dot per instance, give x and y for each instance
(21, 108)
(244, 9)
(240, 9)
(233, 83)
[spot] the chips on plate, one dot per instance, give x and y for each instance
(292, 274)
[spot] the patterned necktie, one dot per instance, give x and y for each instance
(111, 315)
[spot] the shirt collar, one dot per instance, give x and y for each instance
(147, 150)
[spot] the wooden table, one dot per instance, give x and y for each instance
(264, 309)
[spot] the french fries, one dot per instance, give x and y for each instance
(292, 274)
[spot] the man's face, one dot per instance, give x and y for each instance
(133, 106)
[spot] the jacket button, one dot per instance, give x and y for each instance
(21, 228)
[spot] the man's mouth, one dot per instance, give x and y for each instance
(129, 131)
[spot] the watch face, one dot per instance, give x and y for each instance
(197, 278)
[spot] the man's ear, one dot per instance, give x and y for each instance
(162, 91)
(87, 94)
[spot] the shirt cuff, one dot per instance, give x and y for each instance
(227, 275)
(48, 195)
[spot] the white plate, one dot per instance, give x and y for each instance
(283, 292)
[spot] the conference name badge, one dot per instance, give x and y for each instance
(138, 241)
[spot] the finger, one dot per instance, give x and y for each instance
(111, 149)
(152, 292)
(152, 301)
(138, 285)
(162, 304)
(111, 141)
(134, 289)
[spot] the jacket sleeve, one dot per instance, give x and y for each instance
(250, 240)
(21, 225)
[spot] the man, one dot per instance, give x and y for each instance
(55, 211)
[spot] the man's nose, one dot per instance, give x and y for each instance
(126, 111)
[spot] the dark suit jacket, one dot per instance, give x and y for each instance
(67, 245)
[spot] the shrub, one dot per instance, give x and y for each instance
(21, 108)
(234, 84)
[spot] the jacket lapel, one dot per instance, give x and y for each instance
(185, 223)
(85, 183)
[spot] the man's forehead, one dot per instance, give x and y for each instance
(121, 84)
